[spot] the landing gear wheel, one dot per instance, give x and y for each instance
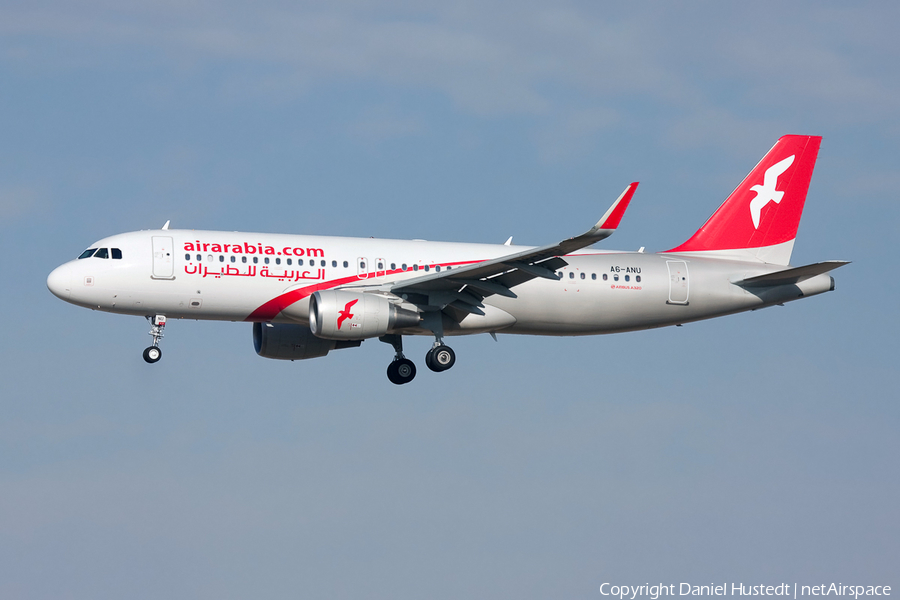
(440, 358)
(157, 325)
(429, 358)
(401, 371)
(152, 354)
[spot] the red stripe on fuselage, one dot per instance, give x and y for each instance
(273, 307)
(270, 309)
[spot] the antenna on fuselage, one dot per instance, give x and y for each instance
(166, 226)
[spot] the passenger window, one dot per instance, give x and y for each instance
(334, 263)
(299, 261)
(209, 258)
(266, 260)
(438, 268)
(403, 266)
(559, 275)
(187, 257)
(199, 258)
(615, 277)
(571, 274)
(88, 253)
(232, 259)
(116, 253)
(380, 266)
(221, 258)
(637, 278)
(289, 262)
(582, 275)
(594, 276)
(244, 259)
(426, 268)
(255, 260)
(277, 261)
(628, 278)
(102, 253)
(362, 265)
(605, 277)
(415, 267)
(346, 264)
(393, 266)
(321, 263)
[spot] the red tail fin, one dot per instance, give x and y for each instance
(759, 219)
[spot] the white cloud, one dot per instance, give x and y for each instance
(684, 67)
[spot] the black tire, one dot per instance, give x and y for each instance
(401, 371)
(429, 361)
(392, 373)
(406, 370)
(443, 357)
(440, 358)
(152, 354)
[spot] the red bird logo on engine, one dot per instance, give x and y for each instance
(345, 314)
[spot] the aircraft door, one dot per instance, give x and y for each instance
(362, 268)
(679, 283)
(163, 260)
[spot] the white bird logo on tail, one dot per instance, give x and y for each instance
(766, 192)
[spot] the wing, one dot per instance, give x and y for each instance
(465, 287)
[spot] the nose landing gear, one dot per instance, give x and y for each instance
(153, 353)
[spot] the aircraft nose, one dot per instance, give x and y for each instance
(59, 282)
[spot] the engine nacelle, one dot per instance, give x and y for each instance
(340, 315)
(292, 342)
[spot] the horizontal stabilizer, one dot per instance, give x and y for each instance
(794, 275)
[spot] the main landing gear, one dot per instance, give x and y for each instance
(440, 358)
(153, 353)
(402, 370)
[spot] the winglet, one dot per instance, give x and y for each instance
(612, 217)
(605, 227)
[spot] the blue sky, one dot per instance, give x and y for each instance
(760, 447)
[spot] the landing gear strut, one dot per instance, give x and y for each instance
(401, 370)
(441, 357)
(153, 353)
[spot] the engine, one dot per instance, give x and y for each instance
(340, 315)
(293, 342)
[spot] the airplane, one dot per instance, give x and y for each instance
(309, 295)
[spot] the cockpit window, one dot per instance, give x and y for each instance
(116, 253)
(102, 253)
(88, 253)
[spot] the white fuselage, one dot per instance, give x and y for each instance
(234, 276)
